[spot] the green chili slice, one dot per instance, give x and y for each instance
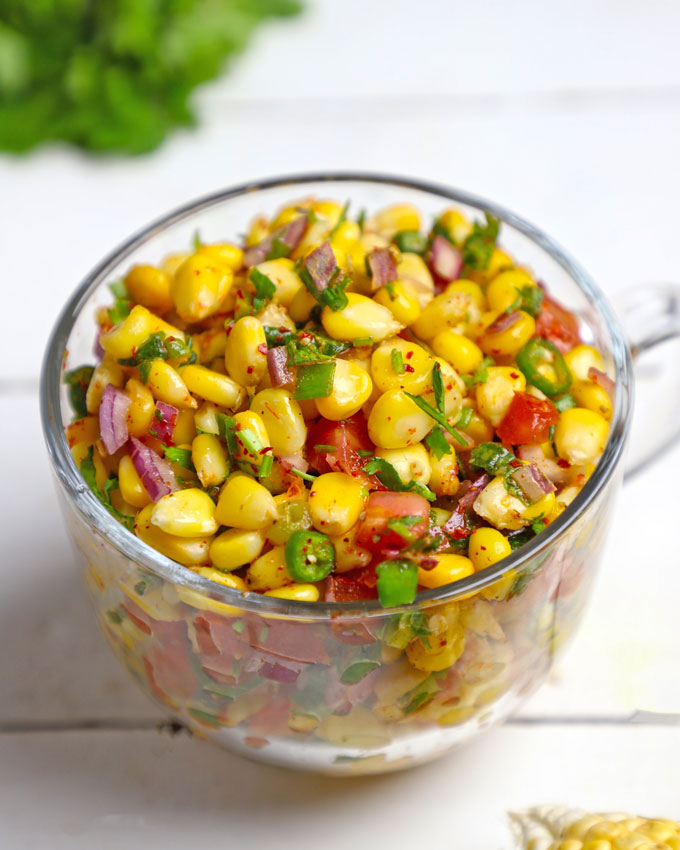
(310, 556)
(397, 582)
(410, 241)
(544, 367)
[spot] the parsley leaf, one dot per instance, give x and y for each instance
(437, 442)
(389, 476)
(481, 375)
(529, 299)
(492, 458)
(78, 380)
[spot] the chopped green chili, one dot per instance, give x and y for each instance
(310, 556)
(314, 380)
(544, 367)
(410, 241)
(397, 582)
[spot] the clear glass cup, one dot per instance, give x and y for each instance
(338, 688)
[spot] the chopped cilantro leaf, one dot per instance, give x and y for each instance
(277, 336)
(438, 417)
(492, 458)
(78, 380)
(481, 375)
(438, 387)
(529, 298)
(265, 289)
(465, 417)
(437, 442)
(389, 476)
(180, 456)
(403, 526)
(479, 245)
(89, 473)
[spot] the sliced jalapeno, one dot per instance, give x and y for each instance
(397, 582)
(544, 367)
(310, 556)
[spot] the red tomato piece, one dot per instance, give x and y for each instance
(528, 420)
(382, 506)
(353, 586)
(558, 325)
(348, 437)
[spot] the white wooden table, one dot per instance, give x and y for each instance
(567, 112)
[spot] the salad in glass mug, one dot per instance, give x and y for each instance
(339, 486)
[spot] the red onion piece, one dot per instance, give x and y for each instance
(290, 235)
(532, 482)
(446, 260)
(98, 350)
(603, 380)
(549, 467)
(156, 474)
(277, 363)
(321, 266)
(503, 322)
(383, 267)
(456, 524)
(164, 421)
(278, 672)
(113, 418)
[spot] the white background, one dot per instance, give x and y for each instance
(568, 113)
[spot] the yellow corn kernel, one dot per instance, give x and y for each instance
(579, 828)
(416, 279)
(166, 385)
(283, 420)
(499, 507)
(569, 844)
(446, 643)
(185, 513)
(282, 274)
(499, 262)
(458, 225)
(455, 309)
(297, 592)
(469, 287)
(504, 289)
(206, 417)
(581, 358)
(487, 547)
(352, 387)
(198, 287)
(402, 305)
(210, 459)
(301, 306)
(269, 571)
(245, 355)
(236, 582)
(105, 373)
(580, 435)
(131, 487)
(495, 394)
(477, 430)
(386, 377)
(542, 508)
(129, 334)
(394, 218)
(149, 286)
(185, 427)
(335, 502)
(80, 451)
(412, 462)
(85, 429)
(508, 341)
(172, 262)
(592, 396)
(227, 254)
(444, 474)
(210, 344)
(258, 230)
(245, 503)
(190, 551)
(346, 236)
(604, 829)
(210, 385)
(396, 421)
(449, 568)
(348, 554)
(236, 547)
(499, 589)
(248, 420)
(461, 352)
(362, 317)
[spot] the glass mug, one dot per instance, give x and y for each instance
(342, 688)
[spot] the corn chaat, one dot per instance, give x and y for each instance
(341, 407)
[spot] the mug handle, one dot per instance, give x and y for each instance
(650, 316)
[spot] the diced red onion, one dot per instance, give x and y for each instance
(603, 380)
(532, 482)
(455, 525)
(549, 467)
(164, 421)
(290, 462)
(113, 418)
(156, 474)
(98, 349)
(446, 260)
(278, 672)
(383, 267)
(290, 235)
(503, 322)
(277, 363)
(321, 265)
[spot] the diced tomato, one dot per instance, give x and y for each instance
(348, 437)
(558, 325)
(528, 420)
(353, 586)
(382, 506)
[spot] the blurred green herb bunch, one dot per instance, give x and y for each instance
(114, 75)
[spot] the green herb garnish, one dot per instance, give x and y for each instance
(315, 380)
(356, 671)
(265, 289)
(389, 476)
(403, 526)
(437, 442)
(529, 298)
(410, 241)
(78, 380)
(89, 473)
(180, 456)
(479, 245)
(438, 417)
(397, 361)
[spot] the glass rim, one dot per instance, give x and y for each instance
(89, 507)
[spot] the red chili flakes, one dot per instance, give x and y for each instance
(408, 368)
(409, 354)
(514, 375)
(262, 348)
(249, 370)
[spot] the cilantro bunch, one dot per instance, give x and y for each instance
(114, 75)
